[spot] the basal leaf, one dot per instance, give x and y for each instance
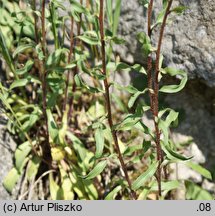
(21, 153)
(33, 167)
(11, 179)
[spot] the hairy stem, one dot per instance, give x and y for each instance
(108, 102)
(43, 79)
(156, 95)
(152, 97)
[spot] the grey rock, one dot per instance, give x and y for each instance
(189, 39)
(7, 148)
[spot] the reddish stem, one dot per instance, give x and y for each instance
(108, 102)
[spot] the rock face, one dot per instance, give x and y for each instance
(7, 148)
(189, 42)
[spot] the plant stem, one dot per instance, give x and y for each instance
(152, 97)
(35, 22)
(156, 96)
(149, 58)
(78, 43)
(43, 79)
(108, 102)
(43, 27)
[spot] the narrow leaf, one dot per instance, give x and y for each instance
(139, 182)
(201, 170)
(113, 193)
(96, 170)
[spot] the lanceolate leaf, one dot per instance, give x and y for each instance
(116, 16)
(201, 170)
(78, 145)
(171, 154)
(139, 182)
(170, 185)
(96, 170)
(90, 37)
(128, 123)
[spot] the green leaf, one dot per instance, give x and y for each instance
(167, 186)
(96, 170)
(19, 83)
(78, 145)
(116, 16)
(5, 52)
(160, 18)
(172, 155)
(11, 179)
(52, 126)
(26, 68)
(146, 43)
(194, 192)
(33, 167)
(128, 122)
(21, 153)
(76, 6)
(139, 182)
(81, 83)
(54, 58)
(120, 103)
(179, 9)
(99, 137)
(201, 170)
(174, 88)
(113, 193)
(90, 37)
(22, 48)
(134, 97)
(55, 190)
